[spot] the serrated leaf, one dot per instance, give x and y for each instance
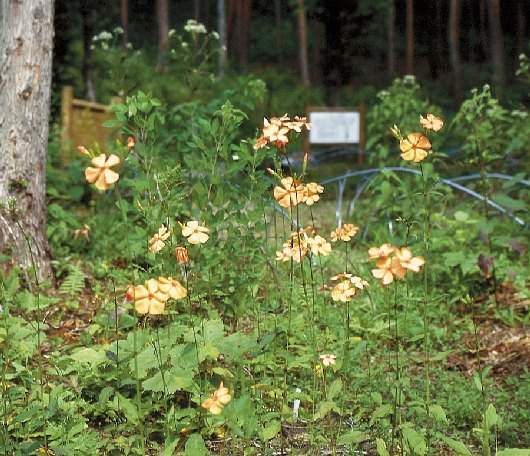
(514, 452)
(381, 447)
(270, 430)
(352, 437)
(438, 413)
(195, 446)
(335, 388)
(380, 412)
(490, 416)
(457, 446)
(89, 355)
(415, 441)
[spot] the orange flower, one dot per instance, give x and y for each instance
(157, 241)
(313, 190)
(291, 193)
(414, 147)
(343, 291)
(131, 142)
(406, 260)
(344, 233)
(292, 249)
(149, 298)
(431, 122)
(102, 175)
(276, 130)
(84, 232)
(393, 262)
(172, 287)
(182, 255)
(359, 283)
(328, 360)
(219, 398)
(196, 234)
(319, 246)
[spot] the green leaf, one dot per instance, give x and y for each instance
(169, 449)
(90, 356)
(380, 412)
(438, 413)
(352, 437)
(514, 452)
(335, 388)
(510, 203)
(381, 447)
(490, 416)
(457, 446)
(127, 407)
(195, 446)
(415, 441)
(461, 216)
(270, 430)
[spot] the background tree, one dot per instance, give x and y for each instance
(125, 20)
(302, 44)
(410, 37)
(162, 15)
(497, 46)
(454, 48)
(391, 37)
(25, 86)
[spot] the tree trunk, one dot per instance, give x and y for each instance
(125, 21)
(278, 22)
(88, 72)
(162, 15)
(221, 15)
(245, 34)
(26, 30)
(302, 44)
(520, 28)
(454, 48)
(497, 46)
(391, 37)
(410, 37)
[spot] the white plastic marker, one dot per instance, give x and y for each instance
(296, 404)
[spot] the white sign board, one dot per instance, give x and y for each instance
(335, 127)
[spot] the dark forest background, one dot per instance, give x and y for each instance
(343, 51)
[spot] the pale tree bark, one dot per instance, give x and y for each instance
(391, 38)
(162, 15)
(497, 46)
(302, 44)
(410, 37)
(26, 30)
(454, 48)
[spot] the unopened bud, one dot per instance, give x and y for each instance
(83, 151)
(130, 142)
(182, 255)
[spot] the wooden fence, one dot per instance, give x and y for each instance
(82, 124)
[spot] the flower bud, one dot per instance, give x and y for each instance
(182, 255)
(130, 142)
(83, 151)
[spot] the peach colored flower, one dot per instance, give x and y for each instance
(328, 360)
(195, 233)
(342, 276)
(219, 398)
(359, 283)
(393, 262)
(157, 241)
(414, 147)
(409, 262)
(344, 233)
(431, 122)
(149, 298)
(319, 246)
(292, 250)
(343, 291)
(101, 174)
(131, 142)
(182, 255)
(290, 193)
(313, 190)
(381, 252)
(172, 287)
